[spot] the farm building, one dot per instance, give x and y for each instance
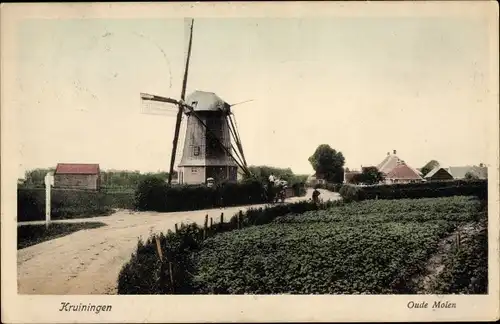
(349, 175)
(396, 170)
(438, 174)
(402, 173)
(77, 176)
(315, 179)
(461, 172)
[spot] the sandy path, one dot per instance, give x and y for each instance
(88, 261)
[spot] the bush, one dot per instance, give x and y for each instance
(151, 194)
(154, 194)
(436, 189)
(351, 193)
(299, 189)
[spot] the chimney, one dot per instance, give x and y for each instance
(394, 152)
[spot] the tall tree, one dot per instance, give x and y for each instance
(328, 163)
(429, 166)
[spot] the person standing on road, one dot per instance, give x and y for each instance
(315, 195)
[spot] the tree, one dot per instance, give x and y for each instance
(471, 176)
(371, 175)
(36, 177)
(429, 167)
(328, 163)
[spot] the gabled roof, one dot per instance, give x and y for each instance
(389, 163)
(434, 171)
(77, 168)
(459, 172)
(403, 172)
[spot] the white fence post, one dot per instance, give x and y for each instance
(49, 182)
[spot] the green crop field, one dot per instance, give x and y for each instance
(369, 247)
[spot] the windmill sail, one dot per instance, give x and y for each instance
(179, 113)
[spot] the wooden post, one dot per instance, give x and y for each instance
(240, 219)
(211, 222)
(221, 220)
(205, 227)
(158, 248)
(162, 264)
(170, 271)
(176, 228)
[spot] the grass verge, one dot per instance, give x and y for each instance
(28, 235)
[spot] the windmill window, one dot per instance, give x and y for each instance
(196, 151)
(194, 170)
(194, 104)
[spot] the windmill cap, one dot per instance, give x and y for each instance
(207, 101)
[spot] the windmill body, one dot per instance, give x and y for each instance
(203, 156)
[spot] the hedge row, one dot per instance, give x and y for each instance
(146, 273)
(69, 203)
(436, 189)
(154, 194)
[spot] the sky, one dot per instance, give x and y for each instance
(365, 86)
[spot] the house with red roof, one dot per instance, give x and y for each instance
(396, 170)
(77, 176)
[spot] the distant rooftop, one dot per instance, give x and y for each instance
(77, 168)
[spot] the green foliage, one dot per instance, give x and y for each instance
(296, 181)
(69, 203)
(145, 274)
(368, 247)
(429, 167)
(331, 251)
(477, 188)
(36, 177)
(28, 235)
(315, 258)
(154, 194)
(471, 176)
(128, 179)
(351, 193)
(457, 208)
(328, 163)
(466, 268)
(369, 175)
(110, 180)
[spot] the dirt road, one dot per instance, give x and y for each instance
(88, 261)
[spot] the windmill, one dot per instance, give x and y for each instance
(208, 150)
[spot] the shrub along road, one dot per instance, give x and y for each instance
(88, 261)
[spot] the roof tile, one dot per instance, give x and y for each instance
(77, 168)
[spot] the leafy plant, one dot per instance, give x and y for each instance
(366, 247)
